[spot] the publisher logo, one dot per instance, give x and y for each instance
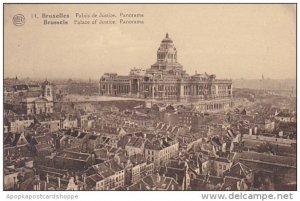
(19, 20)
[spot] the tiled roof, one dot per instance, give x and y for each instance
(238, 170)
(155, 182)
(136, 142)
(137, 159)
(267, 158)
(73, 155)
(230, 183)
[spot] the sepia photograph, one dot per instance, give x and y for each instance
(150, 97)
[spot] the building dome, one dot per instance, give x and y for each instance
(167, 39)
(166, 52)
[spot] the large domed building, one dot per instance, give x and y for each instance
(166, 80)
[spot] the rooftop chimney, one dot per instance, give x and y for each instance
(255, 130)
(58, 180)
(157, 177)
(84, 178)
(47, 178)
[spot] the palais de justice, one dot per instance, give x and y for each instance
(166, 80)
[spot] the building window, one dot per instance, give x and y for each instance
(48, 92)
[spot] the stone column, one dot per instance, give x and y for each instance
(100, 88)
(130, 90)
(181, 90)
(152, 90)
(138, 88)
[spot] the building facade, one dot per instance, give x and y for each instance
(39, 103)
(160, 150)
(166, 80)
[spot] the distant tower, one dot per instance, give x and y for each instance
(90, 83)
(262, 83)
(16, 80)
(47, 90)
(47, 93)
(292, 92)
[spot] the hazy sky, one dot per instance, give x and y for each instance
(231, 41)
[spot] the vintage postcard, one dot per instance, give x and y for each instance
(150, 97)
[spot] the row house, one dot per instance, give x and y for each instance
(179, 170)
(75, 139)
(220, 165)
(160, 150)
(20, 124)
(68, 122)
(136, 167)
(52, 120)
(105, 176)
(135, 145)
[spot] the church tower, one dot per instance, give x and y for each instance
(47, 90)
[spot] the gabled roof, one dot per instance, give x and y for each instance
(73, 155)
(137, 159)
(105, 169)
(40, 147)
(177, 174)
(230, 183)
(82, 135)
(8, 138)
(123, 141)
(17, 140)
(238, 170)
(155, 182)
(41, 139)
(283, 114)
(255, 157)
(94, 137)
(136, 142)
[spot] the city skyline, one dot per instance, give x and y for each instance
(230, 41)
